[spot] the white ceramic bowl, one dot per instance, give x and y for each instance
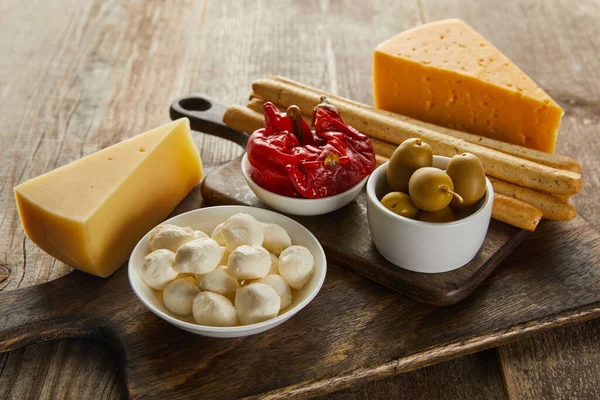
(295, 206)
(206, 219)
(425, 246)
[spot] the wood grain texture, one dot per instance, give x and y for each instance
(76, 76)
(62, 370)
(476, 376)
(529, 365)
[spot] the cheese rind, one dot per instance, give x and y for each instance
(90, 213)
(447, 74)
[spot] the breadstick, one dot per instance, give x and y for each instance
(551, 160)
(552, 207)
(515, 212)
(243, 119)
(563, 197)
(386, 149)
(256, 104)
(497, 164)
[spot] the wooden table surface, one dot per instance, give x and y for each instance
(77, 76)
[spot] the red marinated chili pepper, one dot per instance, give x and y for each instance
(290, 159)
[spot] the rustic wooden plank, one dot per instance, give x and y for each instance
(476, 376)
(562, 364)
(67, 369)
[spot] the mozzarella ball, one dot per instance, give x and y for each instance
(200, 235)
(217, 235)
(179, 295)
(281, 287)
(157, 269)
(199, 256)
(256, 302)
(169, 237)
(276, 238)
(242, 229)
(296, 266)
(249, 262)
(220, 281)
(274, 264)
(213, 309)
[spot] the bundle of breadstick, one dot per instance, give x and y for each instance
(528, 184)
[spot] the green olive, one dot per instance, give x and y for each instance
(411, 155)
(430, 189)
(468, 176)
(401, 204)
(446, 214)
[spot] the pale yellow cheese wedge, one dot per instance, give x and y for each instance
(90, 213)
(447, 74)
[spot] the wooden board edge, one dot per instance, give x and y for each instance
(434, 355)
(442, 298)
(481, 274)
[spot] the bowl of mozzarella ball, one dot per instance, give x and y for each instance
(227, 271)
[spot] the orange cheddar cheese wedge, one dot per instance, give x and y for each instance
(447, 74)
(90, 213)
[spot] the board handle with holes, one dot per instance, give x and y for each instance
(206, 115)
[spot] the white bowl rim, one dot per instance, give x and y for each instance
(296, 200)
(238, 328)
(489, 198)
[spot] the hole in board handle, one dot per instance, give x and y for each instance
(196, 104)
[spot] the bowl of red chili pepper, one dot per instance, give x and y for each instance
(297, 170)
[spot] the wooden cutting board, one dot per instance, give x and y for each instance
(353, 331)
(345, 233)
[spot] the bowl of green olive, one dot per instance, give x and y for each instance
(429, 213)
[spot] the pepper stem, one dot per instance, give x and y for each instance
(293, 113)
